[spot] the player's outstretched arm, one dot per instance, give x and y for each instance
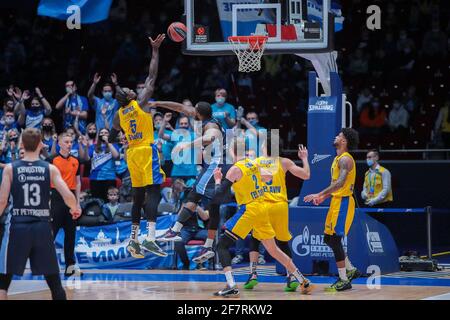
(174, 106)
(302, 173)
(147, 92)
(67, 195)
(223, 185)
(5, 188)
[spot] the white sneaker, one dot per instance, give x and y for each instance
(237, 259)
(261, 259)
(73, 270)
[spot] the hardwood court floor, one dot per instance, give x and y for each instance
(179, 285)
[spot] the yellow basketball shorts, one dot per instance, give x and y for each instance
(143, 164)
(340, 216)
(279, 219)
(251, 217)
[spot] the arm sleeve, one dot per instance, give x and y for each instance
(221, 191)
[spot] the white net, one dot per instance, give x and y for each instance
(249, 51)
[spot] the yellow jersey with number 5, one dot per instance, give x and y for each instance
(137, 125)
(274, 190)
(250, 187)
(349, 184)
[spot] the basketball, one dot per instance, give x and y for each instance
(177, 31)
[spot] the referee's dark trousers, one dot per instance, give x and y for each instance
(61, 218)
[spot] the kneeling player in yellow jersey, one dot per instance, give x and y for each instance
(342, 208)
(247, 178)
(276, 199)
(135, 119)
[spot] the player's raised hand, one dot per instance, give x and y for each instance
(302, 152)
(218, 175)
(157, 42)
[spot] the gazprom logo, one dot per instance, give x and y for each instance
(321, 105)
(305, 235)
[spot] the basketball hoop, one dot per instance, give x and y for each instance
(249, 50)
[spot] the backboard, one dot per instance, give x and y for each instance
(293, 26)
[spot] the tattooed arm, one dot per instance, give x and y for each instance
(345, 166)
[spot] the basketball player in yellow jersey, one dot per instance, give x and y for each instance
(276, 199)
(342, 208)
(247, 179)
(135, 119)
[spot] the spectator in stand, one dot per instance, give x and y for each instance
(223, 111)
(9, 149)
(8, 104)
(103, 173)
(8, 122)
(110, 208)
(193, 229)
(34, 116)
(373, 118)
(166, 145)
(91, 130)
(435, 42)
(364, 98)
(73, 105)
(105, 107)
(174, 195)
(254, 133)
(184, 164)
(122, 169)
(398, 119)
(359, 63)
(442, 125)
(48, 133)
(377, 190)
(411, 102)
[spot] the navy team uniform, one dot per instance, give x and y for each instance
(27, 230)
(204, 185)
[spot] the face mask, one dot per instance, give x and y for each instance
(47, 128)
(9, 121)
(92, 134)
(35, 107)
(375, 104)
(370, 162)
(157, 126)
(253, 122)
(139, 90)
(220, 100)
(13, 139)
(69, 90)
(107, 95)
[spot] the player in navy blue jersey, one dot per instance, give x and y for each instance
(27, 231)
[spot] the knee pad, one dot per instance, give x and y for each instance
(254, 244)
(334, 242)
(184, 215)
(223, 249)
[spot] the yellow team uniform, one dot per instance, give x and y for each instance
(342, 208)
(275, 195)
(142, 154)
(252, 211)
